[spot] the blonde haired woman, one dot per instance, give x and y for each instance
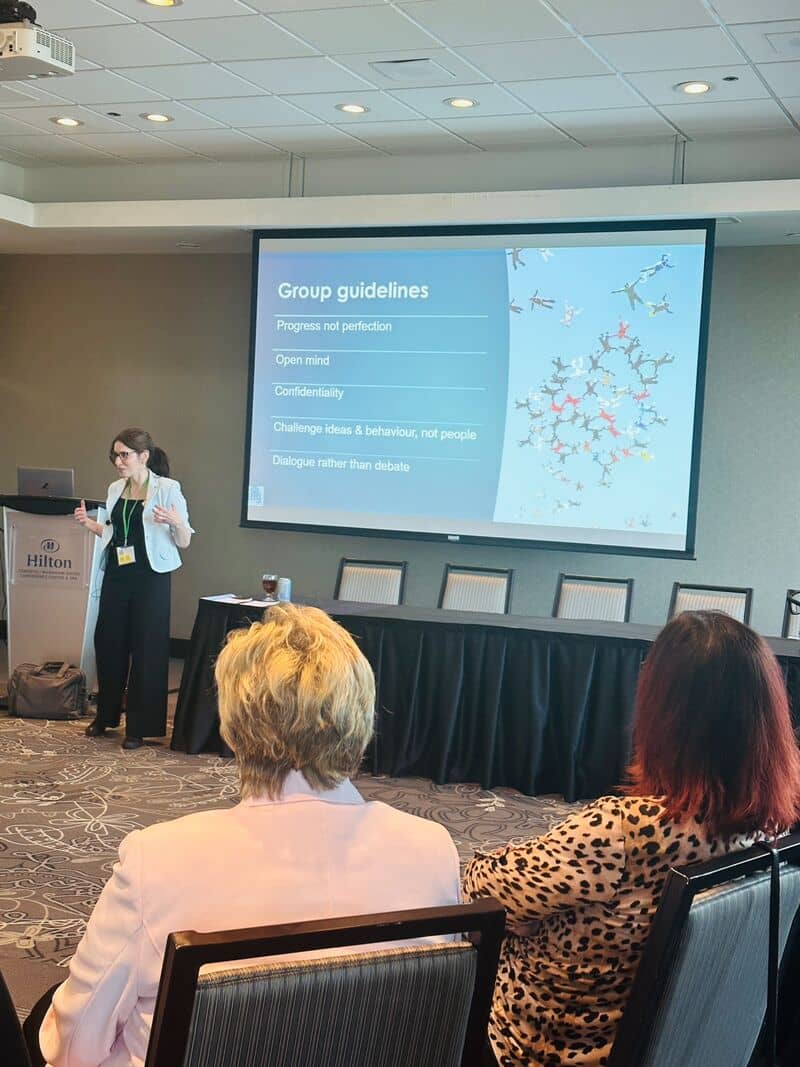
(296, 701)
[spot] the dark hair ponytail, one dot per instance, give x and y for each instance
(159, 462)
(141, 441)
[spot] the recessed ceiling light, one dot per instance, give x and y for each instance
(187, 244)
(155, 116)
(163, 3)
(460, 101)
(692, 88)
(352, 109)
(65, 120)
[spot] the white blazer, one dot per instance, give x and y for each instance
(162, 552)
(307, 855)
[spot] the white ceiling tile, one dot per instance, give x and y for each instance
(612, 124)
(315, 74)
(507, 131)
(54, 149)
(129, 46)
(41, 119)
(659, 86)
(784, 78)
(274, 6)
(91, 86)
(252, 37)
(575, 94)
(768, 42)
(520, 61)
(63, 15)
(81, 63)
(446, 69)
(253, 111)
(220, 144)
(25, 94)
(628, 16)
(137, 147)
(666, 49)
(191, 80)
(312, 140)
(183, 118)
(492, 100)
(11, 126)
(404, 137)
(755, 10)
(793, 104)
(192, 9)
(465, 22)
(382, 107)
(736, 116)
(338, 29)
(10, 155)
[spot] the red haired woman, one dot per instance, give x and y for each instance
(716, 766)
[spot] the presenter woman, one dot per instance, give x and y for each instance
(147, 523)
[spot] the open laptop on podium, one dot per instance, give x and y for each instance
(46, 481)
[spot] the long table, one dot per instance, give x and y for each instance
(542, 705)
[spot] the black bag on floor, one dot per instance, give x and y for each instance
(47, 691)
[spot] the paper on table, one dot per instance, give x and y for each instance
(232, 598)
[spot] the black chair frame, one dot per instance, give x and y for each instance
(655, 967)
(461, 569)
(562, 577)
(792, 608)
(188, 951)
(401, 565)
(746, 589)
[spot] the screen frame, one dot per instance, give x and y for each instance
(480, 230)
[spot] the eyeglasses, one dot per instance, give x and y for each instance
(123, 455)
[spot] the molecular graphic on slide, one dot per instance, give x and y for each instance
(597, 411)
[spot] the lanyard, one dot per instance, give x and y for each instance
(126, 518)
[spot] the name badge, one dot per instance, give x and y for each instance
(125, 555)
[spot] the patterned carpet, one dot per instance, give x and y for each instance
(66, 802)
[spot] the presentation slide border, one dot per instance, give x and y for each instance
(481, 230)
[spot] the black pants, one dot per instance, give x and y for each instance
(131, 643)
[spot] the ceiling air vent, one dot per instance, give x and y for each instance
(785, 43)
(416, 70)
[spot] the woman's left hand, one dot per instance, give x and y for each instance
(169, 516)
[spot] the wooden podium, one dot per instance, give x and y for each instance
(53, 580)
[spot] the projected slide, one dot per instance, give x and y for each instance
(479, 387)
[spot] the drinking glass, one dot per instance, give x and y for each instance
(269, 583)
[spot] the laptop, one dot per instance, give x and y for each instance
(46, 481)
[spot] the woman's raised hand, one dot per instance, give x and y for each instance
(81, 514)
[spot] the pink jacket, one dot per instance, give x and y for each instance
(305, 856)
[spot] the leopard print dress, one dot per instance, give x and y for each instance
(579, 902)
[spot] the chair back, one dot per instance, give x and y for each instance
(733, 600)
(791, 615)
(409, 1006)
(371, 581)
(582, 597)
(700, 993)
(476, 589)
(15, 1051)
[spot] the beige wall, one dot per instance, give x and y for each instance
(89, 344)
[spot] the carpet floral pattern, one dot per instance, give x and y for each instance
(66, 802)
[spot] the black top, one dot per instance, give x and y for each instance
(135, 538)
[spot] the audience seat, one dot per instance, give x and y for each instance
(791, 615)
(733, 600)
(476, 589)
(581, 597)
(700, 994)
(370, 581)
(414, 1006)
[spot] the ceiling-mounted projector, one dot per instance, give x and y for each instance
(26, 50)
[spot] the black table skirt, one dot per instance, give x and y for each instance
(542, 705)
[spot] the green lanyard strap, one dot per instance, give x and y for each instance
(126, 519)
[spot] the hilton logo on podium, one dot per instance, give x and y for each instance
(47, 557)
